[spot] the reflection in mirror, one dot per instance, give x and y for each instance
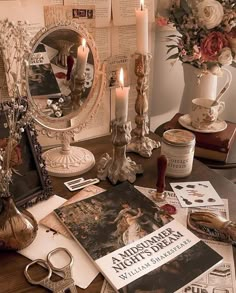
(61, 73)
(65, 83)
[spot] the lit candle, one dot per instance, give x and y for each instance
(142, 29)
(122, 95)
(82, 57)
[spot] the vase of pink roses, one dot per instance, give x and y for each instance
(206, 43)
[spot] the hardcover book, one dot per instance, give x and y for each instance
(136, 245)
(215, 146)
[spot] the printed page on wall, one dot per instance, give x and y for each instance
(82, 14)
(99, 125)
(102, 10)
(124, 14)
(26, 10)
(102, 39)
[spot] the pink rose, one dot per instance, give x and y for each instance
(212, 45)
(161, 21)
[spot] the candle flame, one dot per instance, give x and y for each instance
(121, 79)
(141, 4)
(83, 43)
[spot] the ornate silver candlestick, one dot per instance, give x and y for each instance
(77, 89)
(140, 143)
(119, 167)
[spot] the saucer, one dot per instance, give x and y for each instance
(216, 126)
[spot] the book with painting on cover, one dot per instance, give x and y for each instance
(214, 146)
(135, 244)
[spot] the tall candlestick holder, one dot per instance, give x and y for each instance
(140, 143)
(119, 167)
(77, 88)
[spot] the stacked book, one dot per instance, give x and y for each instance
(214, 146)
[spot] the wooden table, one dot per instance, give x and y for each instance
(12, 264)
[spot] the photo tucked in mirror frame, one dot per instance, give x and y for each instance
(61, 72)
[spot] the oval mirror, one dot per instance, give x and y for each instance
(65, 82)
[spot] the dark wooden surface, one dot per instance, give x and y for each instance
(12, 264)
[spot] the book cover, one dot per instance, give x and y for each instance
(135, 244)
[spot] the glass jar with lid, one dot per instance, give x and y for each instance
(178, 146)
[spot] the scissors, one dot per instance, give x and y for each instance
(65, 284)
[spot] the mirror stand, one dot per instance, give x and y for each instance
(67, 160)
(65, 84)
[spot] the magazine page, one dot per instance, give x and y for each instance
(124, 14)
(222, 277)
(102, 10)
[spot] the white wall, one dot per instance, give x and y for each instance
(168, 85)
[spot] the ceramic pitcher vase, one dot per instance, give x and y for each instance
(203, 87)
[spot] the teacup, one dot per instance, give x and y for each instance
(205, 112)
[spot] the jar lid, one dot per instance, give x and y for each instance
(179, 137)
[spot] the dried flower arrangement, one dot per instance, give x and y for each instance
(14, 50)
(207, 30)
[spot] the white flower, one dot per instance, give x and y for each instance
(225, 57)
(210, 13)
(216, 70)
(54, 107)
(49, 102)
(58, 114)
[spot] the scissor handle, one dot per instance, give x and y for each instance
(67, 268)
(41, 281)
